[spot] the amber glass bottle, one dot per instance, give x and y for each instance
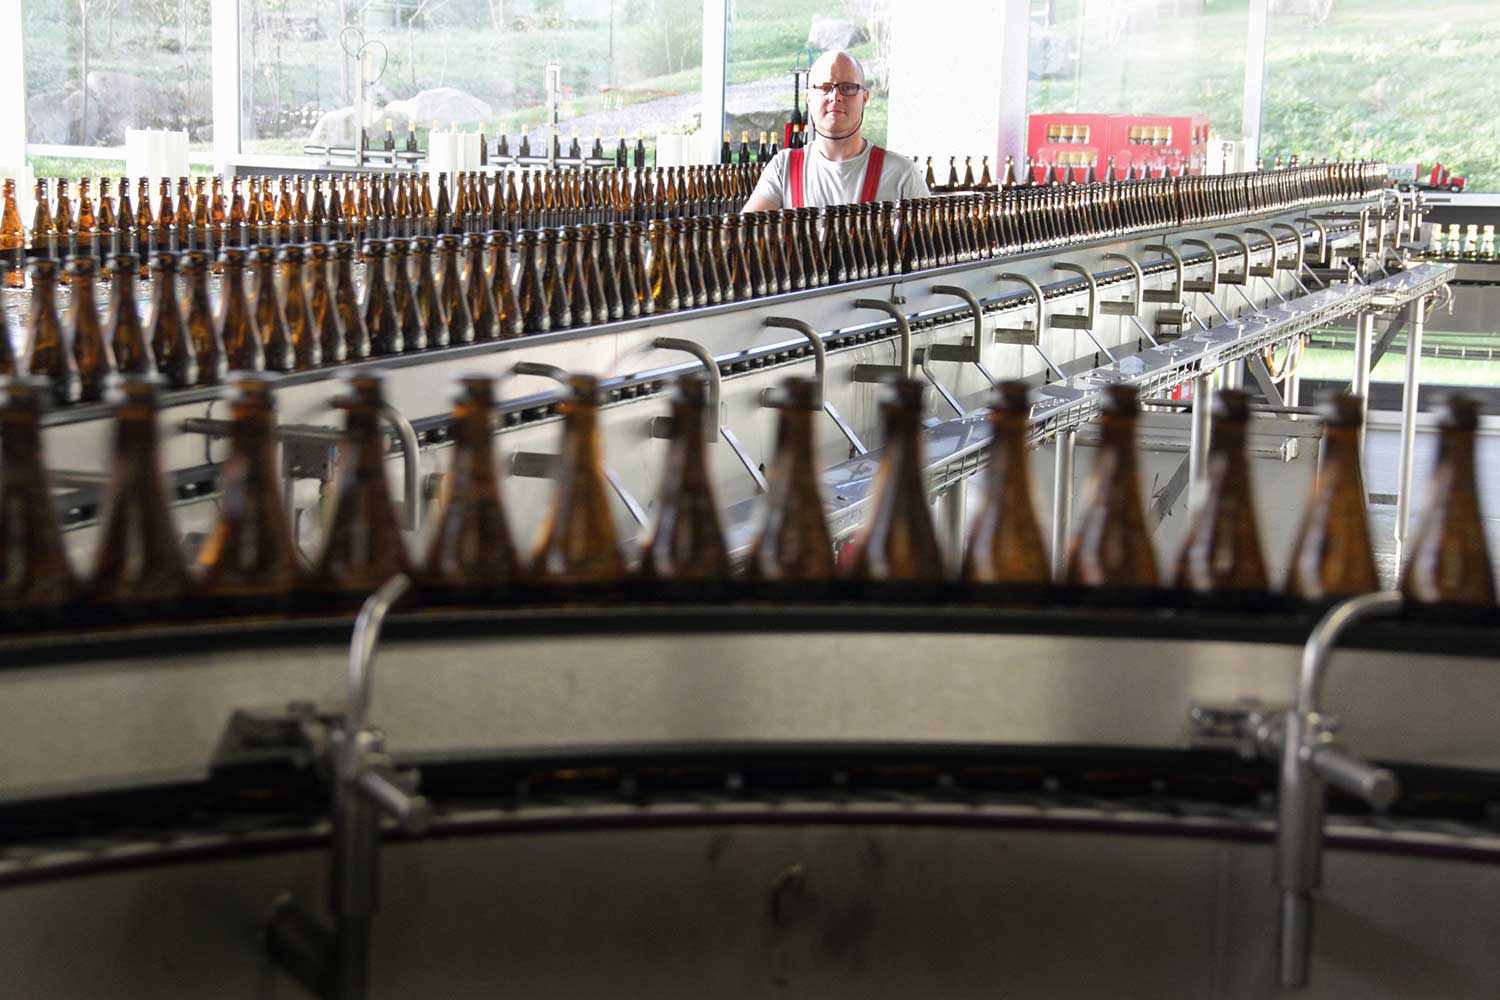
(47, 353)
(301, 328)
(12, 238)
(425, 300)
(554, 273)
(455, 303)
(236, 321)
(531, 297)
(36, 582)
(346, 301)
(198, 319)
(139, 571)
(379, 307)
(470, 548)
(577, 542)
(897, 541)
(1006, 544)
(507, 311)
(249, 562)
(167, 332)
(127, 339)
(663, 280)
(1449, 559)
(268, 316)
(686, 541)
(477, 289)
(328, 330)
(1112, 546)
(793, 543)
(404, 296)
(1331, 556)
(362, 545)
(1222, 550)
(91, 350)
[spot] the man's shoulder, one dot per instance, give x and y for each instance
(900, 164)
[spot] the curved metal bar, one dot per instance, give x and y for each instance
(1130, 307)
(411, 478)
(902, 327)
(1232, 277)
(1322, 260)
(1320, 643)
(1213, 263)
(541, 370)
(1176, 290)
(1036, 291)
(710, 369)
(362, 651)
(814, 340)
(1297, 241)
(954, 352)
(1093, 286)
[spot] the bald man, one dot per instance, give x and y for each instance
(839, 166)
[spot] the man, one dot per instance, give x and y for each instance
(839, 166)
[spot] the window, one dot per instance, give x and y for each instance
(1386, 80)
(632, 64)
(97, 67)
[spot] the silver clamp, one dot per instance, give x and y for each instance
(1197, 284)
(1023, 335)
(713, 427)
(1242, 275)
(1322, 259)
(1294, 263)
(1084, 323)
(1268, 269)
(903, 366)
(1173, 295)
(969, 351)
(1128, 306)
(820, 366)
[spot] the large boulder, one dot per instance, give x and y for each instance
(835, 33)
(48, 119)
(337, 127)
(444, 105)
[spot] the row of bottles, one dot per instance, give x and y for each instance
(1468, 243)
(1326, 179)
(249, 562)
(761, 154)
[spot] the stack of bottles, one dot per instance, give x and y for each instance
(1460, 243)
(249, 563)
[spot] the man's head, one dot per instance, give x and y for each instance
(833, 113)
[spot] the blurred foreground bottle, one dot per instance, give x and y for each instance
(362, 546)
(1331, 556)
(1222, 550)
(794, 543)
(577, 542)
(139, 572)
(249, 562)
(897, 540)
(1006, 544)
(471, 549)
(1449, 559)
(36, 581)
(1112, 547)
(686, 541)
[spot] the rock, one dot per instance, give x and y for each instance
(48, 119)
(336, 127)
(444, 105)
(835, 33)
(1051, 54)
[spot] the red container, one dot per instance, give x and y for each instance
(1079, 140)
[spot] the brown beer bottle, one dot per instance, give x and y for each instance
(663, 281)
(559, 309)
(91, 351)
(202, 332)
(235, 321)
(362, 547)
(138, 568)
(328, 331)
(507, 311)
(897, 540)
(1449, 561)
(167, 332)
(36, 581)
(379, 308)
(1331, 556)
(471, 545)
(455, 304)
(686, 541)
(249, 560)
(1006, 545)
(351, 317)
(302, 331)
(127, 339)
(46, 353)
(531, 298)
(404, 296)
(793, 543)
(577, 542)
(270, 320)
(12, 238)
(428, 303)
(1112, 547)
(477, 289)
(1222, 550)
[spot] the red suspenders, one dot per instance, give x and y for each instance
(866, 193)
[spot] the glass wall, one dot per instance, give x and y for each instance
(634, 64)
(97, 67)
(1385, 79)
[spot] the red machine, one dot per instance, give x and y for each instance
(1078, 140)
(1407, 176)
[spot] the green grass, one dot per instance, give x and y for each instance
(1332, 364)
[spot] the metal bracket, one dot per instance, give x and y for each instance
(543, 465)
(1084, 323)
(1197, 284)
(710, 371)
(921, 359)
(1128, 306)
(820, 365)
(1322, 259)
(903, 366)
(1243, 274)
(1293, 263)
(1027, 336)
(968, 352)
(1172, 295)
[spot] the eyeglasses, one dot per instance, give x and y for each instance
(846, 88)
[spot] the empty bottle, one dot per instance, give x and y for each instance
(302, 331)
(1006, 542)
(686, 541)
(793, 543)
(198, 320)
(328, 329)
(577, 542)
(1112, 546)
(897, 541)
(404, 296)
(379, 307)
(1331, 556)
(455, 303)
(482, 310)
(1222, 550)
(36, 581)
(167, 332)
(47, 353)
(428, 302)
(236, 321)
(1449, 559)
(346, 301)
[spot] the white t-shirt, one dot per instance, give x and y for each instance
(827, 182)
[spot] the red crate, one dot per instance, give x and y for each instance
(1077, 140)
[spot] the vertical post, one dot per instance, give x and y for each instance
(715, 76)
(226, 69)
(955, 500)
(1409, 389)
(1015, 45)
(1364, 333)
(13, 86)
(1062, 502)
(1292, 394)
(1198, 438)
(1255, 79)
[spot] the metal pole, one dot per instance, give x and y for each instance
(1409, 389)
(1364, 334)
(1292, 394)
(1062, 502)
(1198, 441)
(955, 499)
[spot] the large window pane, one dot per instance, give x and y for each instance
(97, 67)
(1141, 57)
(633, 64)
(1385, 79)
